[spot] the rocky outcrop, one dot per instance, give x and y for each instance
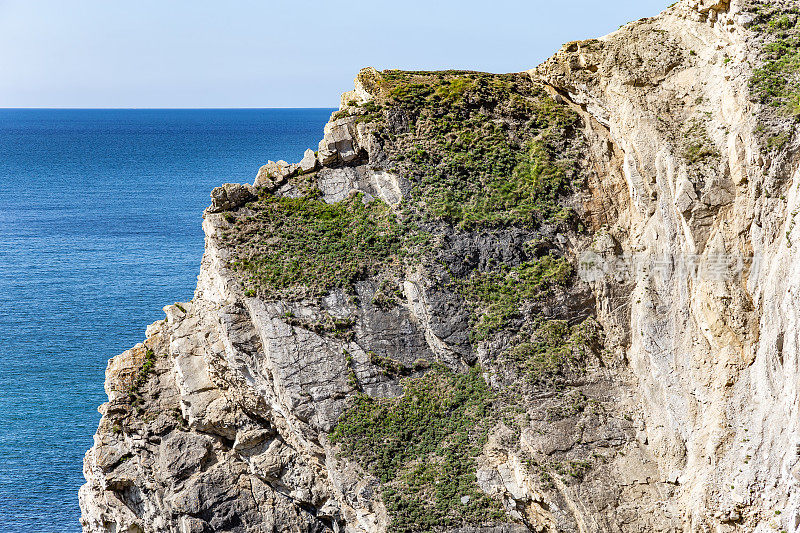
(554, 301)
(274, 174)
(230, 196)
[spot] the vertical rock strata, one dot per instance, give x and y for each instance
(560, 300)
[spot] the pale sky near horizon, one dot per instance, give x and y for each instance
(247, 53)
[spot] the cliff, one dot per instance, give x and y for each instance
(558, 300)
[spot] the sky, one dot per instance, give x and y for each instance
(270, 53)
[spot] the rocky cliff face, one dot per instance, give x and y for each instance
(561, 300)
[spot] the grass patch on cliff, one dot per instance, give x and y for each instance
(547, 350)
(142, 374)
(507, 304)
(327, 324)
(304, 247)
(483, 149)
(422, 446)
(777, 81)
(497, 297)
(697, 145)
(139, 378)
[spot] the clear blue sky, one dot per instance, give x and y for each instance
(248, 53)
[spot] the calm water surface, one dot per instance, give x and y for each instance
(100, 214)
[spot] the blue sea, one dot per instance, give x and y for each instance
(100, 214)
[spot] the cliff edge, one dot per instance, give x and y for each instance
(557, 300)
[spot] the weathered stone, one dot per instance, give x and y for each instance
(183, 453)
(274, 174)
(367, 86)
(309, 161)
(230, 196)
(339, 142)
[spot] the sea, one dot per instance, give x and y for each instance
(100, 227)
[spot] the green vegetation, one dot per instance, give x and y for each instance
(540, 349)
(393, 368)
(344, 113)
(574, 469)
(367, 112)
(480, 150)
(422, 446)
(304, 247)
(140, 377)
(352, 379)
(483, 150)
(552, 347)
(698, 147)
(497, 296)
(777, 81)
(388, 295)
(370, 112)
(340, 328)
(778, 141)
(574, 403)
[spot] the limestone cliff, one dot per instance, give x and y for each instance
(559, 300)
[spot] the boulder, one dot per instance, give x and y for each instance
(309, 161)
(338, 142)
(327, 152)
(230, 196)
(274, 174)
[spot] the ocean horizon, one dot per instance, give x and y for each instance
(101, 215)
